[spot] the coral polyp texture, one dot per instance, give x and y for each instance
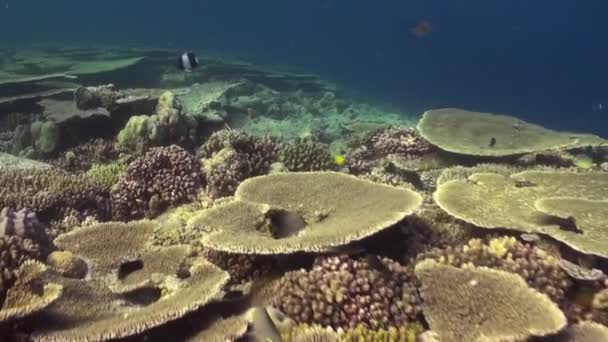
(539, 269)
(485, 134)
(341, 292)
(51, 193)
(29, 294)
(482, 304)
(229, 157)
(302, 211)
(163, 177)
(131, 287)
(490, 200)
(307, 155)
(384, 142)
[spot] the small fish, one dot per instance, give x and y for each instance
(422, 29)
(187, 61)
(492, 141)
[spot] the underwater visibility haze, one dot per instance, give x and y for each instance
(321, 170)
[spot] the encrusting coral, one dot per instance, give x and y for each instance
(342, 292)
(163, 177)
(302, 211)
(538, 268)
(384, 142)
(482, 304)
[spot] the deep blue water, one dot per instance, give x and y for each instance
(541, 60)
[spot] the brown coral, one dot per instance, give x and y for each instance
(51, 193)
(164, 176)
(378, 144)
(14, 250)
(342, 292)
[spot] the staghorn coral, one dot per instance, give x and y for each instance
(482, 304)
(229, 157)
(341, 292)
(51, 193)
(379, 144)
(302, 211)
(539, 269)
(163, 177)
(306, 154)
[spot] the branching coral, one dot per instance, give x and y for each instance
(342, 292)
(106, 174)
(539, 269)
(51, 193)
(83, 156)
(164, 176)
(307, 155)
(401, 142)
(229, 157)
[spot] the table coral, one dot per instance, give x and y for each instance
(539, 269)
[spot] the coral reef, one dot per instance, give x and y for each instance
(163, 177)
(482, 304)
(29, 294)
(490, 200)
(384, 142)
(167, 126)
(229, 157)
(302, 211)
(306, 155)
(51, 193)
(341, 292)
(539, 269)
(107, 174)
(82, 157)
(241, 267)
(495, 135)
(14, 251)
(132, 287)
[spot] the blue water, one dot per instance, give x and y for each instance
(544, 61)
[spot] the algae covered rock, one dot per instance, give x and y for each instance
(485, 134)
(302, 211)
(481, 304)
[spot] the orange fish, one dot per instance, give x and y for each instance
(422, 29)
